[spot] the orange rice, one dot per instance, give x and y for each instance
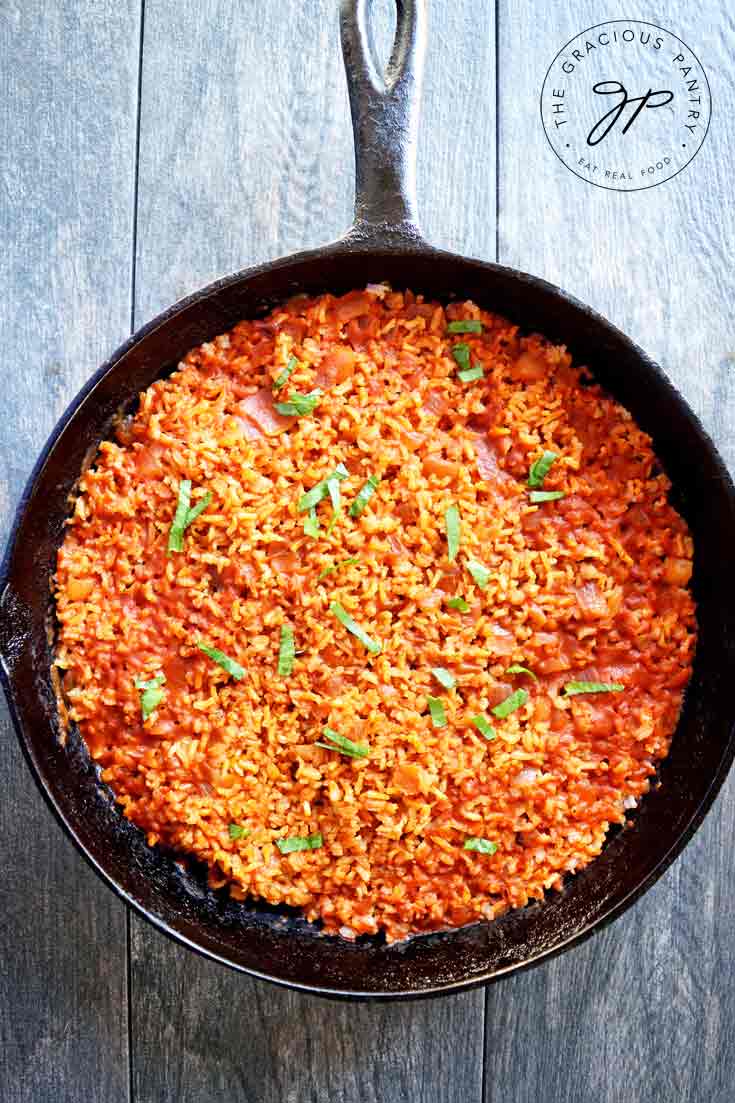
(588, 587)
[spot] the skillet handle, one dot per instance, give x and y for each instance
(385, 115)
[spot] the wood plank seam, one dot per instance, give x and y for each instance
(133, 258)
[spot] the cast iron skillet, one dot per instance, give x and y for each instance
(384, 243)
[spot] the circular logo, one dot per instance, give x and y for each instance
(625, 105)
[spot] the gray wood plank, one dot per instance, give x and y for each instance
(203, 1033)
(68, 103)
(246, 146)
(246, 153)
(643, 1012)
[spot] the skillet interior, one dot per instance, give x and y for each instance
(275, 943)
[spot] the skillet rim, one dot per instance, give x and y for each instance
(392, 244)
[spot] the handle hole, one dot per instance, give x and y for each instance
(381, 20)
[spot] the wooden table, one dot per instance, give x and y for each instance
(149, 147)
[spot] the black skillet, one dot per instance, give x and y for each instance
(384, 244)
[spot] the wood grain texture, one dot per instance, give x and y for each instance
(643, 1012)
(246, 153)
(68, 96)
(246, 145)
(202, 1033)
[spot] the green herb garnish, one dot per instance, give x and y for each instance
(337, 742)
(336, 566)
(482, 846)
(459, 603)
(184, 515)
(311, 524)
(469, 325)
(518, 669)
(223, 660)
(318, 493)
(454, 531)
(176, 532)
(299, 404)
(438, 715)
(483, 726)
(299, 842)
(510, 704)
(344, 618)
(199, 508)
(151, 693)
(461, 354)
(540, 468)
(469, 375)
(334, 494)
(235, 831)
(364, 495)
(284, 376)
(479, 572)
(286, 651)
(444, 677)
(537, 496)
(572, 688)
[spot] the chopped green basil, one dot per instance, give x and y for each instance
(510, 704)
(176, 532)
(311, 524)
(572, 688)
(284, 376)
(286, 651)
(364, 495)
(469, 325)
(199, 508)
(299, 842)
(537, 496)
(336, 566)
(479, 572)
(151, 693)
(223, 660)
(237, 832)
(483, 726)
(469, 375)
(184, 516)
(540, 468)
(334, 494)
(436, 708)
(337, 742)
(517, 669)
(461, 354)
(299, 404)
(444, 677)
(482, 846)
(454, 531)
(458, 603)
(344, 618)
(318, 493)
